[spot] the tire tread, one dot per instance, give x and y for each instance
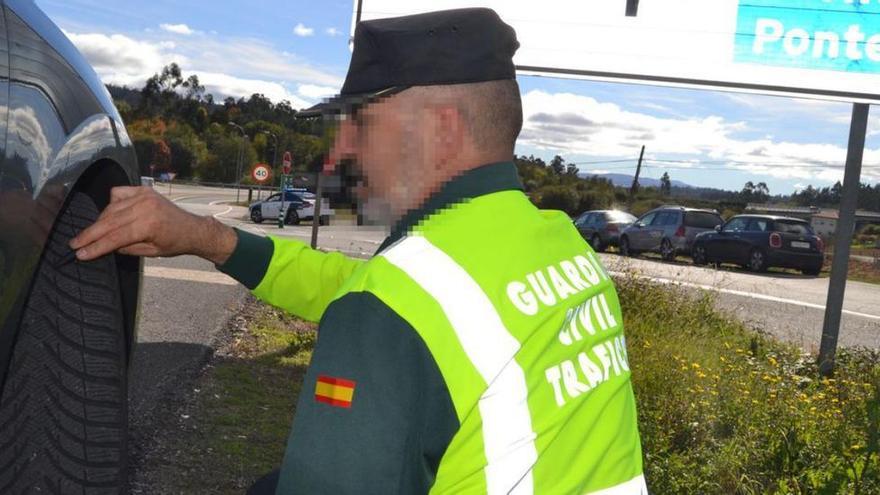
(63, 408)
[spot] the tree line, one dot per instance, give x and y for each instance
(177, 128)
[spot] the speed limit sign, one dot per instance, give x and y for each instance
(261, 173)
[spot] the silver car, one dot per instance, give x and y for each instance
(668, 230)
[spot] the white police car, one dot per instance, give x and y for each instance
(298, 205)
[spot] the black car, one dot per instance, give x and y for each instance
(758, 242)
(66, 328)
(601, 228)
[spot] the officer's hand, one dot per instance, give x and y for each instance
(141, 222)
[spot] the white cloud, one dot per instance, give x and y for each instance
(223, 85)
(238, 67)
(565, 122)
(119, 59)
(176, 28)
(332, 31)
(314, 92)
(301, 30)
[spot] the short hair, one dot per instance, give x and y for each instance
(491, 109)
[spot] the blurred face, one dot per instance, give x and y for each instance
(382, 142)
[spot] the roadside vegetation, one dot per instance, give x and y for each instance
(234, 429)
(723, 409)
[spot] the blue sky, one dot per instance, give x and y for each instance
(299, 51)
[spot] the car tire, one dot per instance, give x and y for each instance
(625, 250)
(699, 255)
(757, 261)
(667, 252)
(292, 217)
(812, 272)
(63, 409)
(257, 215)
(596, 243)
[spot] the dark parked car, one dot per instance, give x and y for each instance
(66, 328)
(601, 228)
(668, 230)
(758, 242)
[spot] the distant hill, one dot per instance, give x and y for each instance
(624, 180)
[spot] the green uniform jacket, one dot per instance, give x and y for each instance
(480, 351)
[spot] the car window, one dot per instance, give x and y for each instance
(758, 225)
(736, 225)
(581, 219)
(793, 227)
(702, 219)
(659, 220)
(619, 216)
(589, 219)
(665, 218)
(274, 197)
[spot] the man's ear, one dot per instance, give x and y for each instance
(449, 133)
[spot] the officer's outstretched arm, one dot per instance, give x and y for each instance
(289, 274)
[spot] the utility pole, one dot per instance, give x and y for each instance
(240, 159)
(635, 185)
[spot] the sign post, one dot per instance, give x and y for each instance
(845, 228)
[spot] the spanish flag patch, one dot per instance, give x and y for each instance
(334, 391)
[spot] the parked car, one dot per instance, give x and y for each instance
(303, 208)
(66, 327)
(758, 242)
(668, 230)
(601, 228)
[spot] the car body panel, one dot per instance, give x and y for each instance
(665, 223)
(271, 206)
(744, 233)
(607, 224)
(61, 126)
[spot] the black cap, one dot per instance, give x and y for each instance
(444, 47)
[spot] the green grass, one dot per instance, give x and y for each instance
(722, 408)
(239, 424)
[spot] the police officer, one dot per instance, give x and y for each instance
(481, 349)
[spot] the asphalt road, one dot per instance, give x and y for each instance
(789, 306)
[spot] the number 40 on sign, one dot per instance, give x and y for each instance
(261, 173)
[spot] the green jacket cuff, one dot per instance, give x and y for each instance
(250, 260)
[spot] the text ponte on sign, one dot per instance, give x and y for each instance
(842, 35)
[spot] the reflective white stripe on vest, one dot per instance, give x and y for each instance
(507, 425)
(635, 486)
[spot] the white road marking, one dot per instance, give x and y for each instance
(751, 295)
(189, 275)
(227, 210)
